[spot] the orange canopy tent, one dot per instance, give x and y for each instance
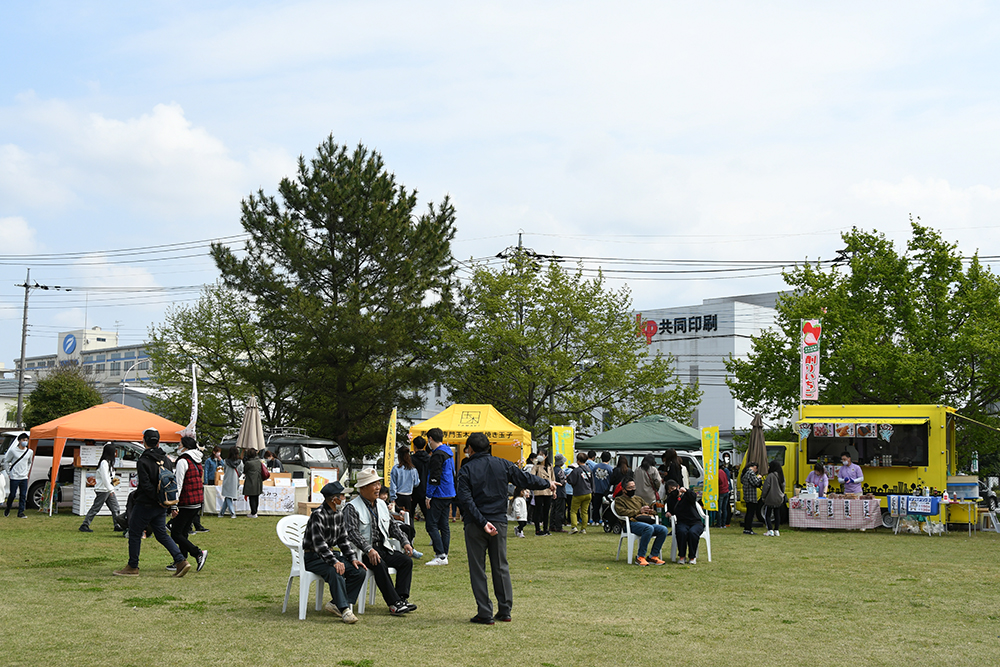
(110, 421)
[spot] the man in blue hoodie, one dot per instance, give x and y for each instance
(440, 492)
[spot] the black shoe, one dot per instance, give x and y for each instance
(749, 532)
(6, 512)
(409, 605)
(85, 529)
(172, 567)
(503, 618)
(481, 621)
(399, 608)
(201, 529)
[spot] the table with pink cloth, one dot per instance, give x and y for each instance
(842, 513)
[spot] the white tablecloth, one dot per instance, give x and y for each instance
(274, 500)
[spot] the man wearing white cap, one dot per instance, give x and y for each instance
(370, 527)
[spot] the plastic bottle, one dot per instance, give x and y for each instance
(945, 497)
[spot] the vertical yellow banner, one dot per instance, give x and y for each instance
(389, 459)
(563, 440)
(710, 459)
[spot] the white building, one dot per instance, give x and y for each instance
(700, 338)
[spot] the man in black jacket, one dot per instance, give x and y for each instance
(148, 511)
(482, 494)
(421, 461)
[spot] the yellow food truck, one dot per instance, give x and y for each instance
(902, 450)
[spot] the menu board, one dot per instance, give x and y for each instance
(90, 456)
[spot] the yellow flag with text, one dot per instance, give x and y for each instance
(710, 459)
(563, 439)
(389, 459)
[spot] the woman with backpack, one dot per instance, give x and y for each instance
(773, 496)
(232, 469)
(253, 480)
(105, 488)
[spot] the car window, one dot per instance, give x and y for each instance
(289, 453)
(692, 468)
(317, 454)
(776, 454)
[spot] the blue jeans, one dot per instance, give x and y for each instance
(227, 502)
(153, 516)
(646, 531)
(15, 486)
(687, 538)
(437, 525)
(724, 510)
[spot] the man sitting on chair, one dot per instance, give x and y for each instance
(642, 519)
(370, 527)
(346, 574)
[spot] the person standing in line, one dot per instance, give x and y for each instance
(344, 574)
(440, 493)
(403, 478)
(621, 473)
(17, 461)
(147, 510)
(580, 478)
(482, 492)
(190, 496)
(724, 496)
(543, 497)
(602, 484)
(647, 481)
(253, 480)
(232, 469)
(104, 488)
(559, 501)
(421, 461)
(751, 482)
(773, 496)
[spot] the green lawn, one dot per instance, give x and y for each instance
(804, 598)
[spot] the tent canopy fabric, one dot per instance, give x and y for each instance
(458, 422)
(109, 421)
(649, 434)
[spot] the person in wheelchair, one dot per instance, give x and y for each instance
(642, 519)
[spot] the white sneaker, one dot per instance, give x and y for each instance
(693, 561)
(348, 616)
(769, 533)
(438, 560)
(777, 533)
(332, 608)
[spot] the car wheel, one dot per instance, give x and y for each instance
(36, 494)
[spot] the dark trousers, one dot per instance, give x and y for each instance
(18, 487)
(344, 588)
(181, 526)
(254, 503)
(724, 510)
(418, 503)
(772, 517)
(543, 508)
(404, 574)
(437, 525)
(153, 516)
(478, 544)
(688, 535)
(558, 516)
(595, 508)
(750, 515)
(404, 502)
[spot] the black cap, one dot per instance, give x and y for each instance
(151, 436)
(332, 489)
(23, 436)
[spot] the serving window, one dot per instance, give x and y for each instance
(906, 444)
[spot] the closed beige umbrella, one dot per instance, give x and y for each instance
(251, 434)
(757, 451)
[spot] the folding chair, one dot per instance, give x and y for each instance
(290, 531)
(370, 588)
(705, 535)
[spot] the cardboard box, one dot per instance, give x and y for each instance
(218, 476)
(307, 508)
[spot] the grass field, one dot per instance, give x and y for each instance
(833, 598)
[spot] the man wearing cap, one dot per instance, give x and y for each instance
(370, 527)
(17, 462)
(482, 493)
(190, 497)
(147, 510)
(345, 575)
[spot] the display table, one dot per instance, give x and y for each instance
(842, 513)
(274, 500)
(84, 493)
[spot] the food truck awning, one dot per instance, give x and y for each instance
(867, 420)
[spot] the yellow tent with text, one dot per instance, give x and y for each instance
(509, 441)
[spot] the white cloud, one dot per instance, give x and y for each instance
(934, 195)
(17, 237)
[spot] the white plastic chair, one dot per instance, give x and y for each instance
(627, 534)
(290, 531)
(370, 588)
(705, 535)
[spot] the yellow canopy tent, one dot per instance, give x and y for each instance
(509, 441)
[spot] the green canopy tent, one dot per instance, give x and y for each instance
(649, 434)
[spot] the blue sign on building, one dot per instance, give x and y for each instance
(69, 344)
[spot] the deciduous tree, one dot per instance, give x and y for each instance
(62, 391)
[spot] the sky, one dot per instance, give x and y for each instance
(645, 130)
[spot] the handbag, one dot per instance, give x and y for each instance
(644, 518)
(266, 473)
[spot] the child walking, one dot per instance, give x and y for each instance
(517, 510)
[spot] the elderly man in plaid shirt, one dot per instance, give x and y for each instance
(346, 574)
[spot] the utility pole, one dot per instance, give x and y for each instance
(24, 339)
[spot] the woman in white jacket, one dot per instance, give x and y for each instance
(105, 488)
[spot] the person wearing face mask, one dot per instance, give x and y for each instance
(344, 574)
(850, 474)
(17, 463)
(543, 497)
(642, 519)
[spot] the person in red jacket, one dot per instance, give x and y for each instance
(190, 476)
(725, 511)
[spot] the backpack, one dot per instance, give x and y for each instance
(166, 487)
